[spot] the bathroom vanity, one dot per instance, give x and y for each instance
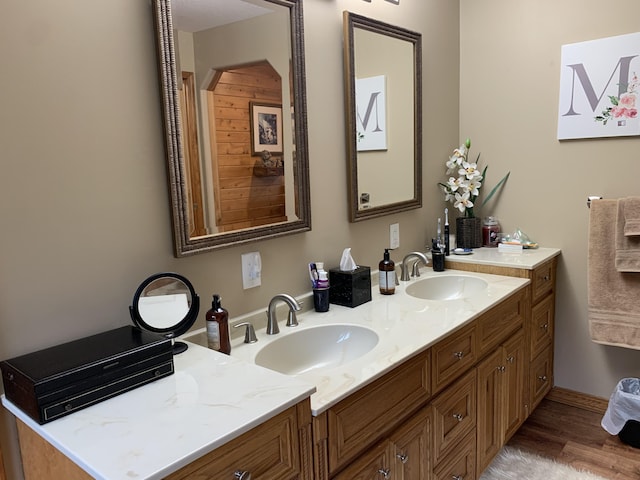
(439, 393)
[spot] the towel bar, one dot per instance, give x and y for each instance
(592, 197)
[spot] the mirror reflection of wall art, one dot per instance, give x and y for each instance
(599, 88)
(371, 114)
(266, 128)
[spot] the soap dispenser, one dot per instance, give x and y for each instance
(217, 319)
(387, 280)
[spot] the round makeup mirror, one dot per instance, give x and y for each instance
(166, 303)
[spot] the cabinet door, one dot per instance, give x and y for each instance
(515, 384)
(490, 407)
(411, 447)
(268, 452)
(376, 464)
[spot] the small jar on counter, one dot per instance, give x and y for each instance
(490, 231)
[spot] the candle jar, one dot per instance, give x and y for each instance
(490, 230)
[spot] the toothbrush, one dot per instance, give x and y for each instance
(439, 235)
(313, 274)
(446, 231)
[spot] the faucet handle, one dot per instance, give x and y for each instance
(250, 332)
(292, 319)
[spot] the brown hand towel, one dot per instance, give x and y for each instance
(627, 246)
(613, 297)
(631, 215)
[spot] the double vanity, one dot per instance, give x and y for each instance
(428, 383)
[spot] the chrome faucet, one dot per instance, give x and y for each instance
(272, 319)
(405, 268)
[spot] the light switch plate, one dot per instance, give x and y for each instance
(394, 235)
(251, 270)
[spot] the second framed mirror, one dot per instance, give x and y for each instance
(383, 80)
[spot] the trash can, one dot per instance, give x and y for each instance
(622, 417)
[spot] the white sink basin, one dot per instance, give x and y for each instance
(447, 287)
(321, 347)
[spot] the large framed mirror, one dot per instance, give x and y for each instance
(383, 82)
(232, 77)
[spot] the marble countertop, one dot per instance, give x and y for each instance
(405, 326)
(158, 428)
(527, 259)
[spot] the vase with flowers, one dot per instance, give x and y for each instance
(463, 190)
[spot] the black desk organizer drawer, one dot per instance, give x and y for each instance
(59, 380)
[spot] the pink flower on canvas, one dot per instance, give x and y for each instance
(627, 100)
(632, 112)
(618, 111)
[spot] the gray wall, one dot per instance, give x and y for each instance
(509, 90)
(83, 196)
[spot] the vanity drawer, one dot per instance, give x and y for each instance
(542, 325)
(270, 451)
(454, 415)
(501, 321)
(541, 376)
(460, 463)
(543, 280)
(364, 418)
(453, 355)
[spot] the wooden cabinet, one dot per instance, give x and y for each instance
(2, 474)
(278, 449)
(403, 455)
(273, 450)
(501, 398)
(364, 418)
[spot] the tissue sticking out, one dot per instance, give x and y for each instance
(347, 263)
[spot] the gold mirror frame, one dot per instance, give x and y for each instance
(351, 22)
(184, 244)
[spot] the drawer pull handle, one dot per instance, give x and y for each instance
(403, 457)
(457, 477)
(458, 355)
(242, 475)
(501, 368)
(510, 359)
(384, 473)
(545, 326)
(542, 378)
(458, 417)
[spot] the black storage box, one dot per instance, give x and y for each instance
(59, 380)
(350, 289)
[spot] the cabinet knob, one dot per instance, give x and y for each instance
(384, 473)
(544, 326)
(404, 458)
(501, 368)
(242, 475)
(458, 355)
(542, 378)
(510, 359)
(458, 417)
(457, 477)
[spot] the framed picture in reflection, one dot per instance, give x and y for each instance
(266, 128)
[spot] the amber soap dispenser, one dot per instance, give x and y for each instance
(218, 327)
(387, 280)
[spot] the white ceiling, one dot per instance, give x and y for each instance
(196, 15)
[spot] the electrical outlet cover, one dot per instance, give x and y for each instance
(251, 270)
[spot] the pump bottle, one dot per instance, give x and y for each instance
(387, 280)
(217, 319)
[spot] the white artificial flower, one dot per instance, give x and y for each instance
(462, 201)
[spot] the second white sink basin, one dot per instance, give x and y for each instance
(325, 346)
(447, 287)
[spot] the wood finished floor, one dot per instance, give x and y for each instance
(574, 436)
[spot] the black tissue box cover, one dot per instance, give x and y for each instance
(350, 289)
(59, 380)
